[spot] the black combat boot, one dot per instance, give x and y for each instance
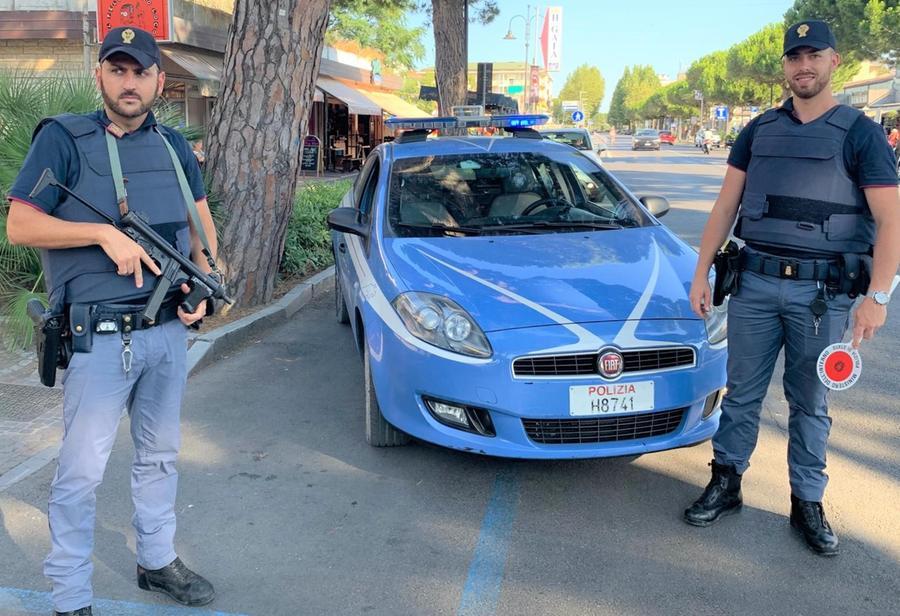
(177, 581)
(82, 611)
(722, 496)
(808, 517)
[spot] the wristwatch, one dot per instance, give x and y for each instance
(879, 297)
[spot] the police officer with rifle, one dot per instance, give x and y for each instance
(815, 196)
(116, 203)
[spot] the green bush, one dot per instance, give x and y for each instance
(307, 244)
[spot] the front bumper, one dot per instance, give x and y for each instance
(404, 376)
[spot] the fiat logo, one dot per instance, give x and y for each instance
(610, 364)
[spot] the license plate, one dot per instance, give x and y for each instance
(610, 398)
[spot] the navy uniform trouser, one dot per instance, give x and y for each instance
(96, 391)
(769, 313)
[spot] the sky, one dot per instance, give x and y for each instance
(666, 34)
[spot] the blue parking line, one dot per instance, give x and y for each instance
(21, 601)
(481, 593)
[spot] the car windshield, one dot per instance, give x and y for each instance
(498, 193)
(647, 132)
(576, 139)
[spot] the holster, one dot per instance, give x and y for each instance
(851, 276)
(53, 346)
(727, 267)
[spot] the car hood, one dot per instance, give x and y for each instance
(516, 281)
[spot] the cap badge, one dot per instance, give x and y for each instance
(802, 30)
(128, 36)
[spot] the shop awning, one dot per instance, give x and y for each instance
(891, 99)
(206, 68)
(396, 106)
(356, 101)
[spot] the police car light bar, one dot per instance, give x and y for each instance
(506, 121)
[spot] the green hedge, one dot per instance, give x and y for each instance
(307, 244)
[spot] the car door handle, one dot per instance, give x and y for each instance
(342, 247)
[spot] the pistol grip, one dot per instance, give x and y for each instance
(197, 294)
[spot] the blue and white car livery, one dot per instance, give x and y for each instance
(512, 298)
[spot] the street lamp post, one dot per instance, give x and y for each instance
(511, 37)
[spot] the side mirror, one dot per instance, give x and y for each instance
(658, 206)
(349, 220)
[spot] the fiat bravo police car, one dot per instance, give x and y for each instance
(512, 298)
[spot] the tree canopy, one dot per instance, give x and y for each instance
(755, 62)
(638, 83)
(864, 29)
(380, 26)
(585, 84)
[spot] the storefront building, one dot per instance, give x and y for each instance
(353, 93)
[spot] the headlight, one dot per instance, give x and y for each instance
(441, 322)
(717, 323)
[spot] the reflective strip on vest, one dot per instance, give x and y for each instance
(798, 193)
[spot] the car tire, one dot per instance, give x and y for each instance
(379, 433)
(340, 306)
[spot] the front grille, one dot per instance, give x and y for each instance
(586, 363)
(602, 429)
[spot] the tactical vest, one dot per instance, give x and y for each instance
(87, 274)
(798, 193)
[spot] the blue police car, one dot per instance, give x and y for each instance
(512, 298)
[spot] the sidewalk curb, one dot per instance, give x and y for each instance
(207, 348)
(29, 467)
(212, 345)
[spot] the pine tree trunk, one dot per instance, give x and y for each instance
(450, 52)
(256, 130)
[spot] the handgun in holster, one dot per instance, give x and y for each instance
(727, 266)
(51, 341)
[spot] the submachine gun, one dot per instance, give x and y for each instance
(52, 338)
(170, 261)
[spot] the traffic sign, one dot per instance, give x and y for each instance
(698, 95)
(722, 112)
(577, 116)
(569, 105)
(754, 109)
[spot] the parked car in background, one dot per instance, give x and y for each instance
(729, 139)
(645, 139)
(578, 138)
(667, 136)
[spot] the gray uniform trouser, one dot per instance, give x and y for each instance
(96, 390)
(766, 314)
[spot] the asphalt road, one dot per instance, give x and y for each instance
(287, 510)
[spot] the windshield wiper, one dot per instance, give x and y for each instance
(446, 229)
(557, 224)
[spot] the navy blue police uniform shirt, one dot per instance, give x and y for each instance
(867, 157)
(54, 148)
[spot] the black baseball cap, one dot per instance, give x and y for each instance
(137, 43)
(810, 33)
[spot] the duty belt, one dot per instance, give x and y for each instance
(784, 267)
(129, 316)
